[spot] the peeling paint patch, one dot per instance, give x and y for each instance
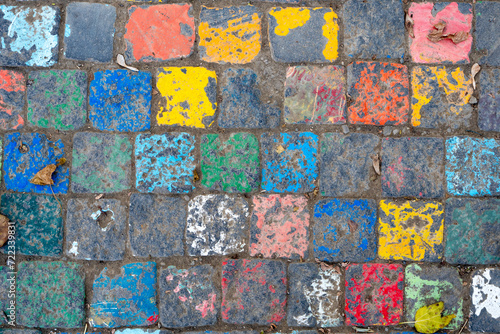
(489, 99)
(485, 293)
(12, 88)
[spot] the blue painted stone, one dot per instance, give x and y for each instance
(95, 229)
(294, 169)
(29, 35)
(125, 299)
(412, 166)
(473, 166)
(142, 331)
(489, 99)
(89, 31)
(188, 297)
(164, 163)
(374, 28)
(485, 289)
(12, 89)
(38, 221)
(120, 100)
(346, 163)
(344, 230)
(485, 32)
(242, 105)
(7, 294)
(156, 225)
(19, 168)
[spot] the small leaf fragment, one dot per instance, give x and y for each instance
(428, 319)
(280, 149)
(44, 176)
(473, 71)
(376, 163)
(409, 25)
(196, 177)
(60, 162)
(4, 230)
(120, 60)
(437, 34)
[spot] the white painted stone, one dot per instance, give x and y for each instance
(323, 297)
(485, 295)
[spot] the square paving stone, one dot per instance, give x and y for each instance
(374, 294)
(89, 31)
(346, 163)
(315, 296)
(7, 294)
(216, 225)
(485, 293)
(101, 163)
(142, 331)
(50, 294)
(188, 96)
(19, 331)
(432, 284)
(230, 164)
(95, 229)
(472, 166)
(344, 230)
(164, 163)
(242, 105)
(489, 99)
(156, 225)
(411, 231)
(289, 162)
(456, 16)
(379, 93)
(253, 291)
(159, 32)
(280, 226)
(12, 88)
(487, 24)
(412, 166)
(127, 298)
(441, 97)
(29, 35)
(57, 99)
(38, 221)
(188, 297)
(472, 231)
(315, 95)
(229, 34)
(367, 32)
(120, 100)
(25, 154)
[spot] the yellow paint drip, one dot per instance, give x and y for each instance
(185, 101)
(289, 18)
(330, 31)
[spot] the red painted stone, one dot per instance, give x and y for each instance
(12, 88)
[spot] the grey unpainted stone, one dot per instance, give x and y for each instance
(486, 32)
(345, 129)
(489, 99)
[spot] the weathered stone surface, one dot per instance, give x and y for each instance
(12, 88)
(21, 331)
(95, 229)
(344, 230)
(489, 99)
(188, 297)
(142, 331)
(487, 25)
(485, 293)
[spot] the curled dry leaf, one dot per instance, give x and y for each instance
(376, 163)
(196, 177)
(323, 265)
(428, 319)
(409, 25)
(437, 34)
(120, 60)
(474, 70)
(44, 176)
(4, 230)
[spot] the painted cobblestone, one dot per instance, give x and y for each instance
(39, 223)
(120, 100)
(229, 34)
(242, 105)
(412, 166)
(303, 34)
(289, 162)
(89, 31)
(159, 32)
(12, 88)
(164, 163)
(485, 293)
(19, 331)
(366, 29)
(379, 93)
(314, 296)
(216, 225)
(50, 294)
(373, 294)
(95, 229)
(57, 99)
(315, 95)
(156, 225)
(253, 291)
(472, 230)
(126, 298)
(472, 166)
(230, 165)
(344, 230)
(188, 96)
(25, 154)
(101, 163)
(487, 23)
(280, 226)
(489, 100)
(188, 297)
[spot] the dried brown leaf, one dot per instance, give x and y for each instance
(473, 71)
(376, 163)
(437, 34)
(44, 176)
(196, 177)
(4, 230)
(409, 25)
(459, 36)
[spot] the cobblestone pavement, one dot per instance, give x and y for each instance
(281, 166)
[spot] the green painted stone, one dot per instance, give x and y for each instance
(50, 294)
(230, 165)
(426, 285)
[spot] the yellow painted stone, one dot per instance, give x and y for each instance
(331, 32)
(289, 18)
(188, 95)
(412, 230)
